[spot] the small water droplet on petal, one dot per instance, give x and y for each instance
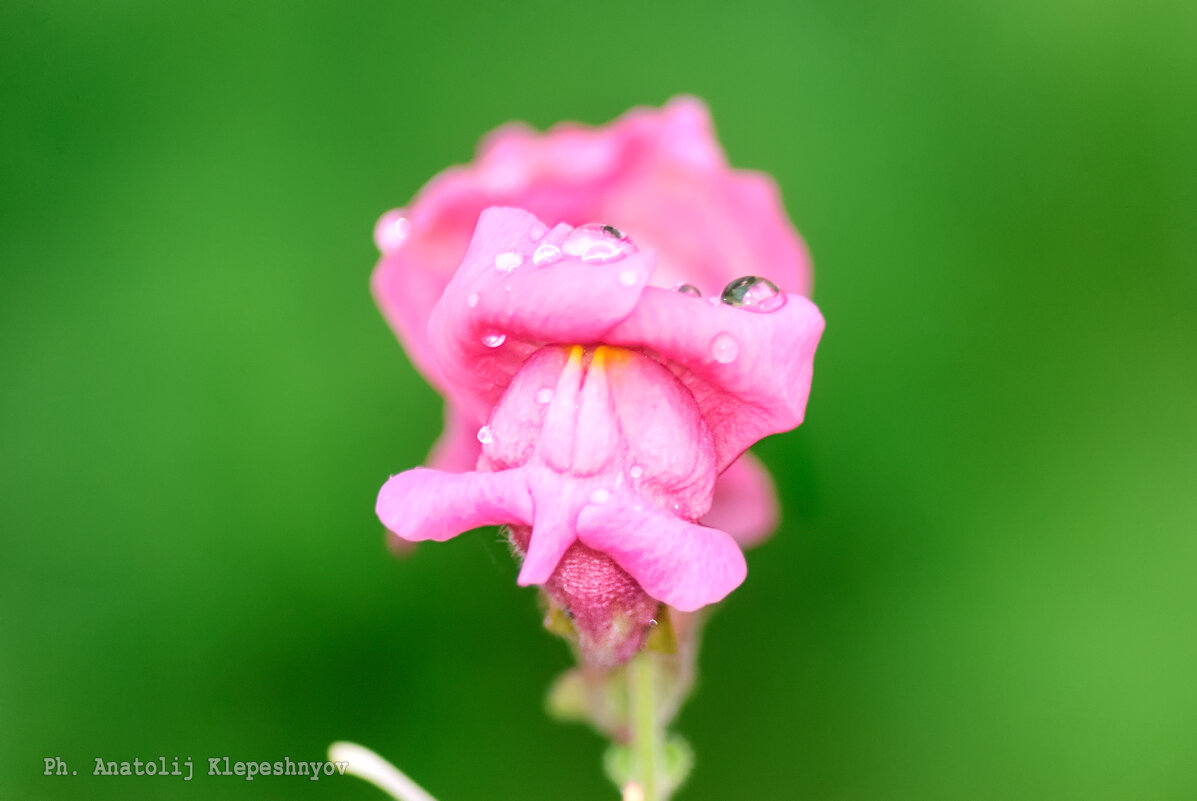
(636, 472)
(601, 252)
(485, 436)
(546, 254)
(600, 496)
(391, 231)
(689, 289)
(597, 243)
(544, 395)
(724, 348)
(508, 260)
(472, 299)
(494, 340)
(754, 293)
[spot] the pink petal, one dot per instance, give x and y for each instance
(569, 302)
(665, 436)
(745, 503)
(681, 564)
(423, 504)
(556, 441)
(708, 232)
(659, 172)
(552, 531)
(749, 372)
(598, 432)
(457, 448)
(517, 421)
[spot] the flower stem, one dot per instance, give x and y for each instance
(365, 764)
(646, 733)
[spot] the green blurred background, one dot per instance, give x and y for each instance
(984, 585)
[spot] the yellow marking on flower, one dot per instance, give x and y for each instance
(610, 356)
(600, 357)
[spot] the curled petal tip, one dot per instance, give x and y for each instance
(423, 504)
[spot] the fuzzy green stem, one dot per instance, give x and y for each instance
(646, 733)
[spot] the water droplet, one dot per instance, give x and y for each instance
(485, 436)
(636, 472)
(600, 496)
(724, 348)
(391, 231)
(627, 277)
(537, 230)
(652, 624)
(546, 254)
(601, 252)
(544, 395)
(494, 340)
(508, 260)
(597, 243)
(472, 300)
(689, 289)
(754, 294)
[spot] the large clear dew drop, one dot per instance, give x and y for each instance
(753, 293)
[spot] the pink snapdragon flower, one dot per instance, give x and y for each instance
(657, 173)
(610, 406)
